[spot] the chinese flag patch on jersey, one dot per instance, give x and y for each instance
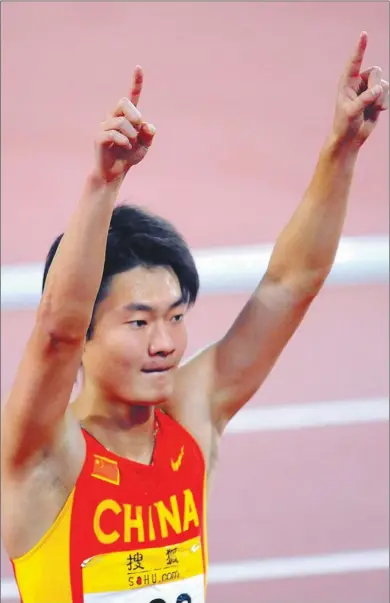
(106, 470)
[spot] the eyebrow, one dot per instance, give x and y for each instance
(140, 307)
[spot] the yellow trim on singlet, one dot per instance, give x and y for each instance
(43, 573)
(204, 530)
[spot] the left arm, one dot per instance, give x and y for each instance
(301, 260)
(236, 366)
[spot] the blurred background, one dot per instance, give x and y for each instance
(242, 95)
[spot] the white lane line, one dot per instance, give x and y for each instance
(299, 567)
(359, 261)
(276, 569)
(319, 414)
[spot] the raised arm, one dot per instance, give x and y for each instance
(304, 252)
(34, 413)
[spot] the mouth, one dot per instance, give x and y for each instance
(155, 370)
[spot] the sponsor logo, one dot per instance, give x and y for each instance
(176, 464)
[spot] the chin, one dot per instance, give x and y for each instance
(151, 402)
(151, 396)
(160, 397)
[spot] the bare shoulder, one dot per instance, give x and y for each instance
(191, 403)
(34, 494)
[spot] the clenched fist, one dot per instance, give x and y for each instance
(362, 95)
(124, 138)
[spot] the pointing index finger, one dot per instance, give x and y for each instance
(355, 62)
(136, 88)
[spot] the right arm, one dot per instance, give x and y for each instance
(33, 416)
(45, 378)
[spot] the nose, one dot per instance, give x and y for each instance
(161, 343)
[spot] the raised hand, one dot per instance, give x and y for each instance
(124, 138)
(360, 99)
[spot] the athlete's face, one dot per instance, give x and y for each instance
(139, 337)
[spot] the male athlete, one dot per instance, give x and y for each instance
(104, 499)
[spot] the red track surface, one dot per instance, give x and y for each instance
(242, 96)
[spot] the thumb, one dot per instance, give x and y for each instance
(146, 135)
(367, 98)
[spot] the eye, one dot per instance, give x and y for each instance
(177, 318)
(137, 324)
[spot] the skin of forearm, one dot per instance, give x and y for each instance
(75, 274)
(306, 248)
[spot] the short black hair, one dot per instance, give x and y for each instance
(137, 237)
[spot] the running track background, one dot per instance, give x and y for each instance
(242, 95)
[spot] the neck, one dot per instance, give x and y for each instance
(123, 428)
